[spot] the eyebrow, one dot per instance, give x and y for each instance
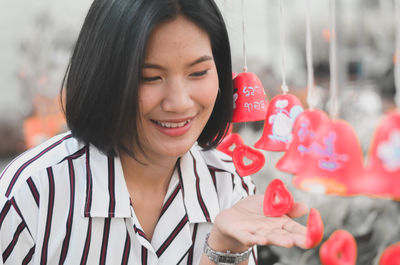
(197, 61)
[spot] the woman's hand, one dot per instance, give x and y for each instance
(245, 225)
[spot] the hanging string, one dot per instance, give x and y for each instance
(225, 9)
(282, 30)
(244, 37)
(333, 106)
(310, 70)
(397, 55)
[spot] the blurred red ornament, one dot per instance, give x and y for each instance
(281, 115)
(304, 131)
(334, 160)
(382, 174)
(229, 144)
(234, 75)
(277, 199)
(249, 100)
(315, 229)
(339, 249)
(391, 255)
(243, 151)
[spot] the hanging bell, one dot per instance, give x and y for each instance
(334, 160)
(249, 102)
(282, 112)
(304, 132)
(382, 174)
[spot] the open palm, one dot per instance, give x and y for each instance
(245, 225)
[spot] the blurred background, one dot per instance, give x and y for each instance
(37, 38)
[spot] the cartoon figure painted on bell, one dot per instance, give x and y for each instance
(282, 121)
(328, 158)
(389, 152)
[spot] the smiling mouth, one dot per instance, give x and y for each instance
(171, 124)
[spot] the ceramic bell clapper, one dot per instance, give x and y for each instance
(282, 112)
(257, 160)
(339, 249)
(249, 99)
(229, 143)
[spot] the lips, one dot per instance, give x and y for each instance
(173, 128)
(171, 124)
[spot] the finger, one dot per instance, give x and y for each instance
(281, 239)
(293, 227)
(299, 209)
(299, 240)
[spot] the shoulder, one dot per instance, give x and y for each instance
(45, 155)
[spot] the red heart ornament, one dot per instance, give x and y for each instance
(339, 249)
(281, 114)
(382, 174)
(315, 229)
(391, 255)
(304, 130)
(334, 160)
(250, 102)
(229, 141)
(277, 199)
(257, 158)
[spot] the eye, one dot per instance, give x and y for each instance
(150, 79)
(198, 74)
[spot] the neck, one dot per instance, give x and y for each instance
(147, 177)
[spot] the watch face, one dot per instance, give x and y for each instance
(226, 260)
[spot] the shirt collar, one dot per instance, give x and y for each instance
(106, 191)
(199, 192)
(107, 194)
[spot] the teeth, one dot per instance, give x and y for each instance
(172, 124)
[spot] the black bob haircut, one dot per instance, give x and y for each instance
(103, 76)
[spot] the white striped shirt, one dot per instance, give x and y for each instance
(67, 203)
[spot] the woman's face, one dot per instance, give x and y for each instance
(178, 89)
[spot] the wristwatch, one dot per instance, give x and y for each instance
(225, 258)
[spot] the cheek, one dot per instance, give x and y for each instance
(148, 99)
(207, 93)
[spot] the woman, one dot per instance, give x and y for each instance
(137, 180)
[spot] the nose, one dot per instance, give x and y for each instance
(177, 97)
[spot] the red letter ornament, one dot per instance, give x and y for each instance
(277, 199)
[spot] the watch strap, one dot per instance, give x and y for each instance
(225, 258)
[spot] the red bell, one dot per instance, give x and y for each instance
(304, 131)
(382, 174)
(282, 112)
(334, 160)
(243, 151)
(249, 102)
